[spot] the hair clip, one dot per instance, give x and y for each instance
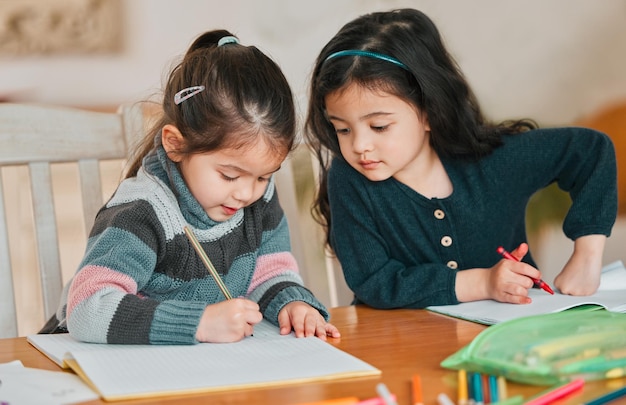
(184, 94)
(227, 40)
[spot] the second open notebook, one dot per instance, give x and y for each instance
(119, 372)
(611, 295)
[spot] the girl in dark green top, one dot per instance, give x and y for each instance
(418, 189)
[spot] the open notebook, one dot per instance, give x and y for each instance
(611, 295)
(119, 372)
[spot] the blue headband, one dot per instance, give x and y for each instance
(375, 55)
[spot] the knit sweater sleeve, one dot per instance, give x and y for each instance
(580, 160)
(276, 280)
(105, 301)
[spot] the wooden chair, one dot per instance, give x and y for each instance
(296, 183)
(39, 136)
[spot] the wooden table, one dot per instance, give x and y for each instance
(400, 343)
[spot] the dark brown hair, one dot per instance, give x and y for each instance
(246, 95)
(425, 76)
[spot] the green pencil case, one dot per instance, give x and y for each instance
(549, 349)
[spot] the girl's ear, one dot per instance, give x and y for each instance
(424, 119)
(173, 142)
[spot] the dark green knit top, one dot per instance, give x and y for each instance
(399, 249)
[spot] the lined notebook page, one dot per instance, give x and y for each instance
(267, 358)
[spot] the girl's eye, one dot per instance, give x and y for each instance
(227, 178)
(264, 179)
(342, 131)
(380, 128)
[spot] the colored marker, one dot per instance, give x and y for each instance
(486, 392)
(477, 389)
(462, 387)
(416, 385)
(608, 397)
(443, 399)
(551, 395)
(493, 388)
(538, 282)
(384, 393)
(502, 392)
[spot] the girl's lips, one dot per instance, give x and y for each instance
(369, 164)
(229, 210)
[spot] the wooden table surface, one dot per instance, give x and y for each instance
(400, 343)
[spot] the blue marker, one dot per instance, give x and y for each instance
(493, 388)
(478, 389)
(608, 397)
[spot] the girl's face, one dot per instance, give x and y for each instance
(380, 135)
(226, 180)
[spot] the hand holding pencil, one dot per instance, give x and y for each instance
(225, 321)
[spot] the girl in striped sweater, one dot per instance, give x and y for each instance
(228, 123)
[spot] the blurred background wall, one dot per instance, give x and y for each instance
(559, 62)
(554, 61)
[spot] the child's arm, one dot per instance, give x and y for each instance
(507, 281)
(305, 321)
(276, 281)
(581, 274)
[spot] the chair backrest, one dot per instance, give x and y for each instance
(37, 136)
(296, 183)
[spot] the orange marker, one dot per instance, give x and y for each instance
(416, 385)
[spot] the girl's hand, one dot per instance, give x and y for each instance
(507, 281)
(228, 321)
(581, 274)
(305, 321)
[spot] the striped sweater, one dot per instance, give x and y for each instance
(141, 282)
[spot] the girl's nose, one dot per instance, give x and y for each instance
(361, 143)
(244, 193)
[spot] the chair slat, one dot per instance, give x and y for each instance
(91, 190)
(38, 136)
(46, 235)
(8, 316)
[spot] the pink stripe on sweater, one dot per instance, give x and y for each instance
(272, 265)
(91, 279)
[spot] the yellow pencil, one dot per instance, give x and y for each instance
(462, 387)
(502, 392)
(207, 263)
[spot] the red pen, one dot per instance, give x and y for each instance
(538, 282)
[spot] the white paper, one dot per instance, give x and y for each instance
(613, 277)
(21, 385)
